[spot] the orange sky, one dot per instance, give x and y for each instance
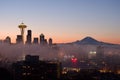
(66, 39)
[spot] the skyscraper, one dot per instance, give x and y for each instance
(45, 41)
(50, 41)
(29, 37)
(19, 39)
(42, 39)
(7, 40)
(35, 40)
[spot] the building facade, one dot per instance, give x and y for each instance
(50, 41)
(34, 69)
(35, 41)
(19, 39)
(29, 37)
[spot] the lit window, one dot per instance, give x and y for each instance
(23, 74)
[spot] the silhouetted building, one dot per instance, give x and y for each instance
(34, 69)
(7, 40)
(19, 39)
(43, 41)
(50, 41)
(35, 41)
(5, 74)
(29, 37)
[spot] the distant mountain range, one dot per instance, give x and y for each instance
(91, 41)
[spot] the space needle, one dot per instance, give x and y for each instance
(22, 27)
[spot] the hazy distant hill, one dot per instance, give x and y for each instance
(91, 41)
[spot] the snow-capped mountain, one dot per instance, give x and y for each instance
(91, 41)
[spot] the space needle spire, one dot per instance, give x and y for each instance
(22, 27)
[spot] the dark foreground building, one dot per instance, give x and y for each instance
(34, 69)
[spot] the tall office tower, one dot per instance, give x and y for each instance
(45, 41)
(50, 41)
(7, 40)
(22, 27)
(35, 41)
(19, 39)
(29, 37)
(42, 39)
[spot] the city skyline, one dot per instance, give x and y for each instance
(64, 20)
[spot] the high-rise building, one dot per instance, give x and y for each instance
(45, 41)
(29, 37)
(7, 40)
(19, 39)
(42, 39)
(34, 69)
(35, 40)
(50, 41)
